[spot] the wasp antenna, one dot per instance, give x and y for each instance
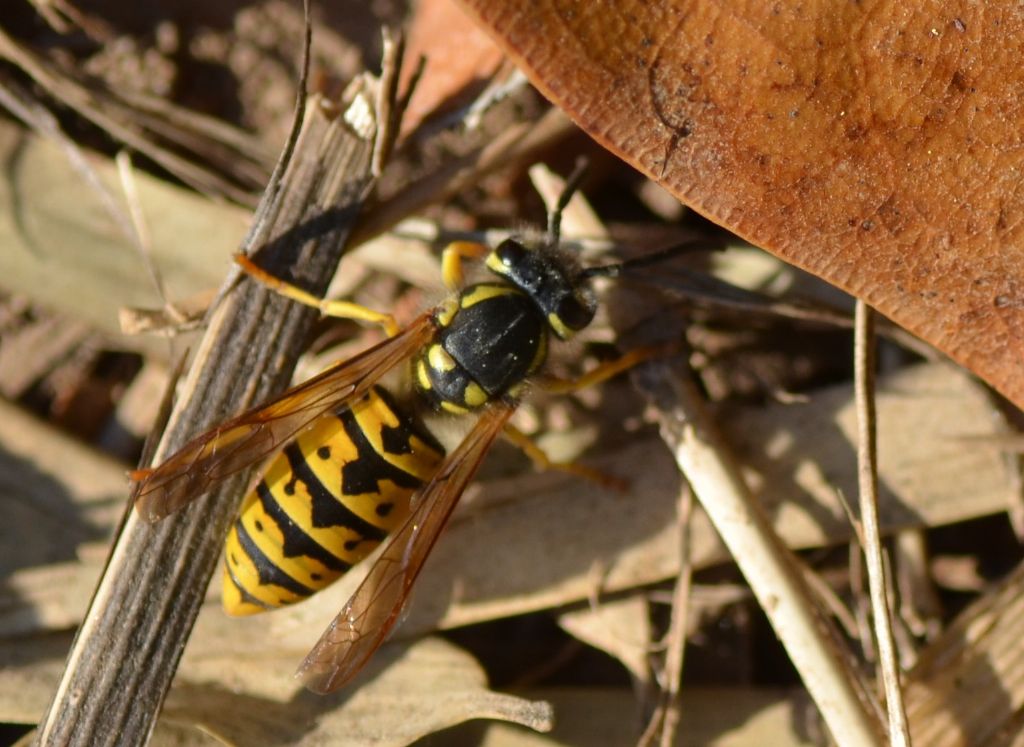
(603, 271)
(654, 258)
(571, 185)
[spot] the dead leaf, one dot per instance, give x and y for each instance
(736, 717)
(619, 627)
(877, 146)
(460, 58)
(63, 248)
(967, 687)
(415, 690)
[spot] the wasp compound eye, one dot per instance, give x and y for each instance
(510, 254)
(574, 313)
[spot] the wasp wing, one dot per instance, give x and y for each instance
(254, 435)
(371, 613)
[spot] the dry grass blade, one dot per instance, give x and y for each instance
(148, 598)
(123, 123)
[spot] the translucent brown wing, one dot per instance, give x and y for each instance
(371, 613)
(254, 435)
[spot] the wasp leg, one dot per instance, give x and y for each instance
(605, 371)
(454, 255)
(538, 456)
(557, 385)
(327, 307)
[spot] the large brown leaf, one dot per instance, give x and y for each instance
(879, 145)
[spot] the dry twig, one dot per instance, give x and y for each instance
(867, 459)
(766, 563)
(129, 645)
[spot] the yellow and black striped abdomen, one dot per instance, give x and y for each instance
(325, 502)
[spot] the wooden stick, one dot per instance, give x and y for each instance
(129, 645)
(867, 471)
(767, 565)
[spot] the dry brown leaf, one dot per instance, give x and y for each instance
(413, 691)
(968, 685)
(876, 145)
(796, 455)
(736, 717)
(460, 59)
(619, 627)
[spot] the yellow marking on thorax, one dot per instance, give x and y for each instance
(474, 396)
(483, 293)
(422, 373)
(439, 359)
(494, 263)
(446, 311)
(540, 354)
(452, 407)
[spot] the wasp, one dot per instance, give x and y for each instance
(351, 465)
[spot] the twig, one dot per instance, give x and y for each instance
(664, 724)
(107, 113)
(129, 645)
(520, 142)
(142, 239)
(867, 461)
(767, 565)
(41, 119)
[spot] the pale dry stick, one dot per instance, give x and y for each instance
(920, 608)
(142, 241)
(861, 603)
(809, 638)
(41, 119)
(867, 474)
(664, 724)
(518, 143)
(829, 599)
(82, 100)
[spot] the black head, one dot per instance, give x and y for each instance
(544, 276)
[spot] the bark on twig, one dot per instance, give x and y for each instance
(128, 647)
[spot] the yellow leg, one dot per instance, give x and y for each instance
(605, 371)
(544, 462)
(453, 256)
(561, 386)
(327, 307)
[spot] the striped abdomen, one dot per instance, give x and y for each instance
(325, 502)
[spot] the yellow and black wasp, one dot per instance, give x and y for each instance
(351, 465)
